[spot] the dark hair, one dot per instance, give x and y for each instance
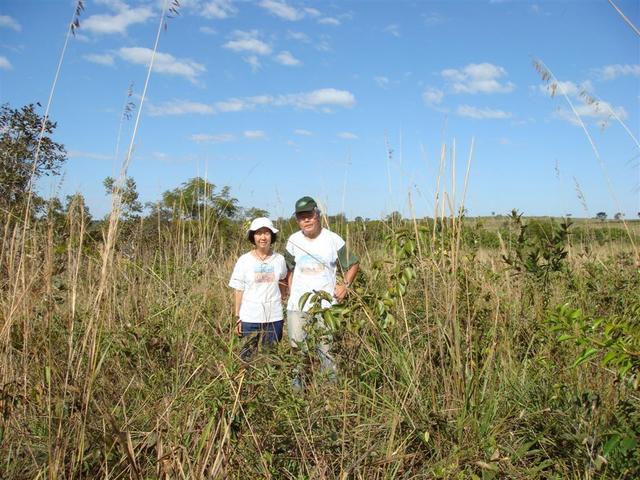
(252, 236)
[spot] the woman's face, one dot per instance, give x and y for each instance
(262, 237)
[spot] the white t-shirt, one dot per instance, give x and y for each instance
(316, 262)
(261, 300)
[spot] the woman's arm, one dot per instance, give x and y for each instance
(237, 297)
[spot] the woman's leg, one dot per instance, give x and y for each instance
(251, 332)
(272, 333)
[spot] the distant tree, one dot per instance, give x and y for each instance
(602, 216)
(394, 218)
(131, 206)
(197, 199)
(618, 216)
(19, 133)
(76, 205)
(253, 212)
(359, 219)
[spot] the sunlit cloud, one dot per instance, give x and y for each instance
(88, 155)
(208, 30)
(211, 138)
(611, 72)
(255, 134)
(179, 107)
(299, 36)
(432, 96)
(7, 22)
(247, 42)
(163, 62)
(218, 9)
(282, 10)
(116, 23)
(285, 58)
(481, 113)
(382, 82)
(393, 29)
(100, 59)
(329, 21)
(5, 64)
(477, 78)
(348, 136)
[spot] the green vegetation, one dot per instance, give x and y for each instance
(469, 348)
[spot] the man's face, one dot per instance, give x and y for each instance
(309, 223)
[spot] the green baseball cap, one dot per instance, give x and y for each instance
(305, 204)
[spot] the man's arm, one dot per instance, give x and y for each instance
(342, 288)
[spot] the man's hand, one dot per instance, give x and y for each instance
(340, 292)
(238, 328)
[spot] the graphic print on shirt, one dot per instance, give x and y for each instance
(310, 265)
(264, 273)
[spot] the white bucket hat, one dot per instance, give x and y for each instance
(260, 222)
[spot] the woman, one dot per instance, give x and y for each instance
(259, 283)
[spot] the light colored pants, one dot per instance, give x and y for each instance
(296, 322)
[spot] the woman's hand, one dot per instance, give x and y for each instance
(238, 328)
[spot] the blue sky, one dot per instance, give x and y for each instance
(348, 101)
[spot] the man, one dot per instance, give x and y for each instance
(313, 256)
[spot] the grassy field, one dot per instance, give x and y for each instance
(470, 348)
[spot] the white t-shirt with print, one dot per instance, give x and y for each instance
(258, 280)
(315, 265)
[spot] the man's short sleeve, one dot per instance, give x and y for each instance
(284, 268)
(289, 256)
(346, 257)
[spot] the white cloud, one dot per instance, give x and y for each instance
(481, 113)
(163, 63)
(5, 64)
(477, 78)
(219, 9)
(432, 96)
(116, 23)
(282, 10)
(88, 155)
(247, 42)
(302, 132)
(232, 105)
(329, 21)
(101, 59)
(322, 100)
(393, 29)
(600, 112)
(208, 30)
(180, 107)
(255, 134)
(312, 12)
(611, 72)
(299, 36)
(348, 136)
(432, 19)
(285, 58)
(8, 22)
(254, 62)
(568, 88)
(209, 138)
(381, 81)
